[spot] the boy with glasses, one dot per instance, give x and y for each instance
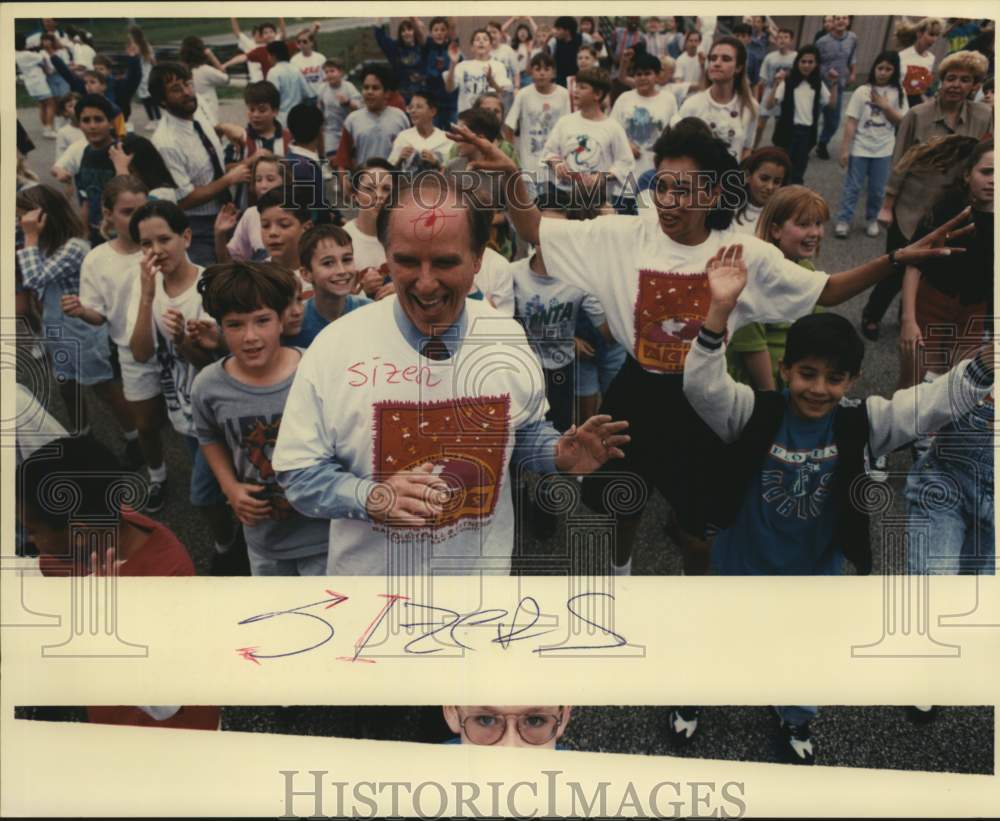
(508, 726)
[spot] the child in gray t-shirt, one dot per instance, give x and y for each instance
(237, 406)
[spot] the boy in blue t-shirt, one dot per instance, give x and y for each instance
(327, 256)
(785, 501)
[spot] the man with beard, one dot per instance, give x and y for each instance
(191, 147)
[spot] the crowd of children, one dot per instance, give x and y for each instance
(207, 276)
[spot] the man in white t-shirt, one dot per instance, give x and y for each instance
(655, 306)
(536, 110)
(389, 432)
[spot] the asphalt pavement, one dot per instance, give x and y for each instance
(959, 740)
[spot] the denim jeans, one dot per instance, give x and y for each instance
(314, 565)
(797, 715)
(831, 116)
(876, 169)
(949, 495)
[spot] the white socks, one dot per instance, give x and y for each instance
(159, 474)
(622, 570)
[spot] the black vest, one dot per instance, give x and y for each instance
(743, 458)
(785, 125)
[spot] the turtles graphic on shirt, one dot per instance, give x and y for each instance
(584, 155)
(796, 483)
(258, 436)
(669, 311)
(464, 439)
(539, 127)
(641, 128)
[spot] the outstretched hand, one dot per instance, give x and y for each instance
(585, 448)
(491, 157)
(933, 244)
(727, 276)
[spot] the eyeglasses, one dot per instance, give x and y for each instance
(488, 728)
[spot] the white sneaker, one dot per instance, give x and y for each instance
(49, 134)
(841, 230)
(151, 125)
(878, 471)
(872, 228)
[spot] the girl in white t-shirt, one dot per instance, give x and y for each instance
(766, 171)
(798, 122)
(916, 60)
(205, 72)
(107, 277)
(872, 116)
(727, 105)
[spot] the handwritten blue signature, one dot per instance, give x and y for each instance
(442, 622)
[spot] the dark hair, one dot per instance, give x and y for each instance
(161, 74)
(95, 75)
(262, 93)
(278, 49)
(66, 99)
(542, 60)
(426, 96)
(169, 212)
(434, 187)
(566, 22)
(481, 123)
(376, 162)
(98, 101)
(244, 287)
(334, 62)
(305, 121)
(989, 85)
(103, 60)
(597, 79)
(315, 235)
(141, 43)
(691, 138)
(382, 72)
(62, 218)
(892, 58)
(147, 163)
(76, 468)
(742, 28)
(408, 23)
(490, 95)
(829, 337)
(287, 199)
(788, 31)
(267, 24)
(192, 51)
(437, 20)
(795, 76)
(771, 154)
(644, 61)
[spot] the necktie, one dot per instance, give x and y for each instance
(217, 171)
(434, 348)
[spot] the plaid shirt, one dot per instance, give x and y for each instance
(63, 267)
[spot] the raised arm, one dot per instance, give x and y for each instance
(521, 208)
(723, 404)
(841, 287)
(235, 25)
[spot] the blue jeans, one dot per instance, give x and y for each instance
(831, 116)
(876, 169)
(797, 715)
(314, 565)
(949, 495)
(205, 490)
